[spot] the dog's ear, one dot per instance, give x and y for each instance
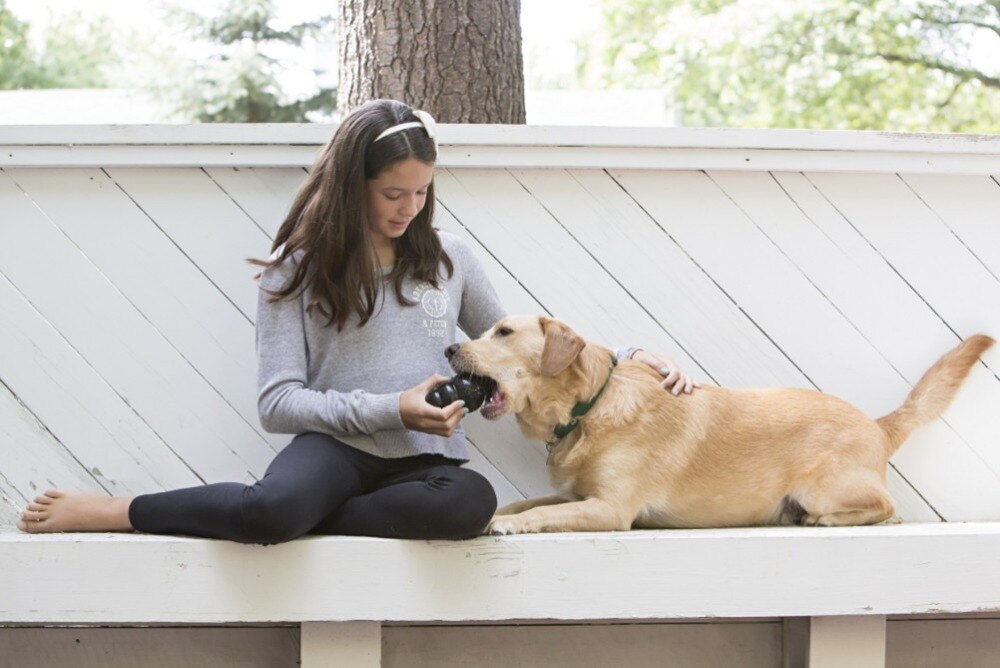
(562, 345)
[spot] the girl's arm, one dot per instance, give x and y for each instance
(284, 404)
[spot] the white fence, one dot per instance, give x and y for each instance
(841, 261)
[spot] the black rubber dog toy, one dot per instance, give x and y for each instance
(474, 390)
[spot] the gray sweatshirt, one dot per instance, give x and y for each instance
(348, 384)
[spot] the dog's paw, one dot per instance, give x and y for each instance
(504, 525)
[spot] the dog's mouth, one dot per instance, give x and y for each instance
(496, 400)
(493, 397)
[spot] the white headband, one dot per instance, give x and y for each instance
(425, 120)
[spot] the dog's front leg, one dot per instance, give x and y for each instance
(591, 514)
(528, 504)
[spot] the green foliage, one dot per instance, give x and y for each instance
(235, 80)
(17, 58)
(905, 65)
(76, 54)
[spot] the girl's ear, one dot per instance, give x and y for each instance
(562, 346)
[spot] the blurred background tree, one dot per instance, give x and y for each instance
(77, 53)
(907, 65)
(223, 74)
(237, 81)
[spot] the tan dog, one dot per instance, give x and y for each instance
(643, 457)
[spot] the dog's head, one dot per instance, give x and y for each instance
(531, 359)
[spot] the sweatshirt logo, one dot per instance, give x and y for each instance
(434, 301)
(435, 305)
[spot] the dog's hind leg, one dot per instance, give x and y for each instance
(856, 497)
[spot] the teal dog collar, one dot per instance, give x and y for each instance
(582, 408)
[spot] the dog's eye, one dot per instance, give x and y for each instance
(505, 331)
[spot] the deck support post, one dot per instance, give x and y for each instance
(830, 641)
(349, 644)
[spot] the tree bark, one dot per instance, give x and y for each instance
(459, 60)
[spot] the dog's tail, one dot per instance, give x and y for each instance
(934, 391)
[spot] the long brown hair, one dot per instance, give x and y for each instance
(329, 218)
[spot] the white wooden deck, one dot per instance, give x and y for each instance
(841, 261)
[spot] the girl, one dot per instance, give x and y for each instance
(369, 458)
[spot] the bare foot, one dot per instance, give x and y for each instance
(58, 510)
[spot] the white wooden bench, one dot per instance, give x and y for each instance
(841, 261)
(838, 583)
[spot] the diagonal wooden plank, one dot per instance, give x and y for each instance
(546, 259)
(969, 205)
(69, 426)
(853, 274)
(204, 222)
(33, 460)
(123, 347)
(505, 490)
(922, 250)
(517, 459)
(942, 270)
(11, 505)
(828, 349)
(691, 309)
(263, 193)
(156, 277)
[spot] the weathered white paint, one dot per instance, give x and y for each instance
(65, 293)
(153, 270)
(274, 145)
(544, 256)
(472, 134)
(265, 194)
(354, 644)
(509, 157)
(656, 272)
(968, 206)
(762, 572)
(206, 224)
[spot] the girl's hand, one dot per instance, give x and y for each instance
(674, 378)
(419, 415)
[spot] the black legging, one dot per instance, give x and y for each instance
(318, 484)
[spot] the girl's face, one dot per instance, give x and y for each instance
(395, 196)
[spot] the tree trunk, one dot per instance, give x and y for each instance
(459, 60)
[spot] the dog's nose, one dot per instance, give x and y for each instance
(451, 350)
